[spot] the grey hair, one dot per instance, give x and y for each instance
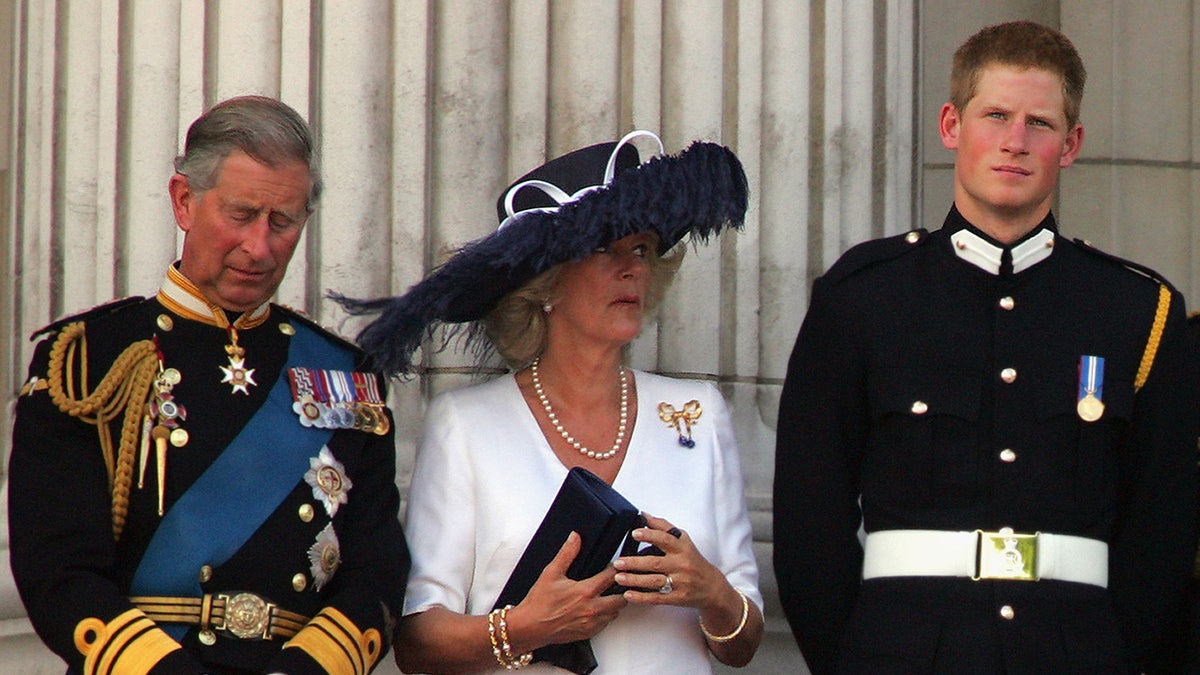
(516, 327)
(266, 129)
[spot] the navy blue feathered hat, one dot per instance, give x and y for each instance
(561, 211)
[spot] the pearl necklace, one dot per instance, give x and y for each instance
(616, 446)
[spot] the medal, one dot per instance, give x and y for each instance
(383, 425)
(1090, 408)
(1090, 405)
(330, 484)
(237, 374)
(160, 425)
(335, 399)
(324, 557)
(182, 297)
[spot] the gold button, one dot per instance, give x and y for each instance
(207, 637)
(962, 245)
(306, 512)
(165, 322)
(179, 437)
(1007, 612)
(205, 574)
(287, 329)
(1007, 303)
(920, 407)
(912, 237)
(1007, 455)
(299, 582)
(1050, 242)
(1009, 375)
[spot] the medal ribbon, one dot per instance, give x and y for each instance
(242, 488)
(1091, 377)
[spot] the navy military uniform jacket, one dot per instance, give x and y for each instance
(925, 393)
(75, 579)
(1192, 648)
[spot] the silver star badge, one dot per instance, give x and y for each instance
(324, 557)
(330, 484)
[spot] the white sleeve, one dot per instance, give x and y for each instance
(440, 516)
(734, 535)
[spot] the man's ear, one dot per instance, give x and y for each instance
(948, 126)
(183, 200)
(1071, 147)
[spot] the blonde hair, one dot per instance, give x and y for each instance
(516, 327)
(1020, 44)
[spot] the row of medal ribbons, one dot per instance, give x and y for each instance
(336, 399)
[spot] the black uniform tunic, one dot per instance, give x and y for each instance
(905, 319)
(68, 568)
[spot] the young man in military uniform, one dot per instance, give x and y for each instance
(203, 481)
(994, 404)
(1181, 653)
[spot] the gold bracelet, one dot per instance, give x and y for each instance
(491, 619)
(505, 657)
(736, 631)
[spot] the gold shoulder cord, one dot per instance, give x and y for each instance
(124, 389)
(1156, 331)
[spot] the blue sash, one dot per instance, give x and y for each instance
(242, 488)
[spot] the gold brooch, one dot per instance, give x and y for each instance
(681, 420)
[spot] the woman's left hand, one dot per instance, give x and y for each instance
(681, 577)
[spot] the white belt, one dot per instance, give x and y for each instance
(985, 555)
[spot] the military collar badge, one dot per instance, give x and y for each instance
(987, 256)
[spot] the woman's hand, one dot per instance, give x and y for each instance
(694, 582)
(558, 610)
(683, 577)
(555, 610)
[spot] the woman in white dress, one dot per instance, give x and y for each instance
(559, 291)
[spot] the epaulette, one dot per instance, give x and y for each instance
(1089, 247)
(302, 317)
(873, 252)
(95, 312)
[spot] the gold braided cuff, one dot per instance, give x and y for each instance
(334, 642)
(736, 631)
(130, 643)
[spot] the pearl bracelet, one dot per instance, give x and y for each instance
(736, 631)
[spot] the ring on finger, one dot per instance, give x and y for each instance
(666, 587)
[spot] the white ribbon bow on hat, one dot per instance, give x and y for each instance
(558, 194)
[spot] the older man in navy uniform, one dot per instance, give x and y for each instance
(1006, 412)
(203, 481)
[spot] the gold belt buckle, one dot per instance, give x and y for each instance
(1007, 555)
(247, 616)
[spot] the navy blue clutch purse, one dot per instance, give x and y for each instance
(602, 517)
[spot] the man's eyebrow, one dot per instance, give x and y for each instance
(290, 215)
